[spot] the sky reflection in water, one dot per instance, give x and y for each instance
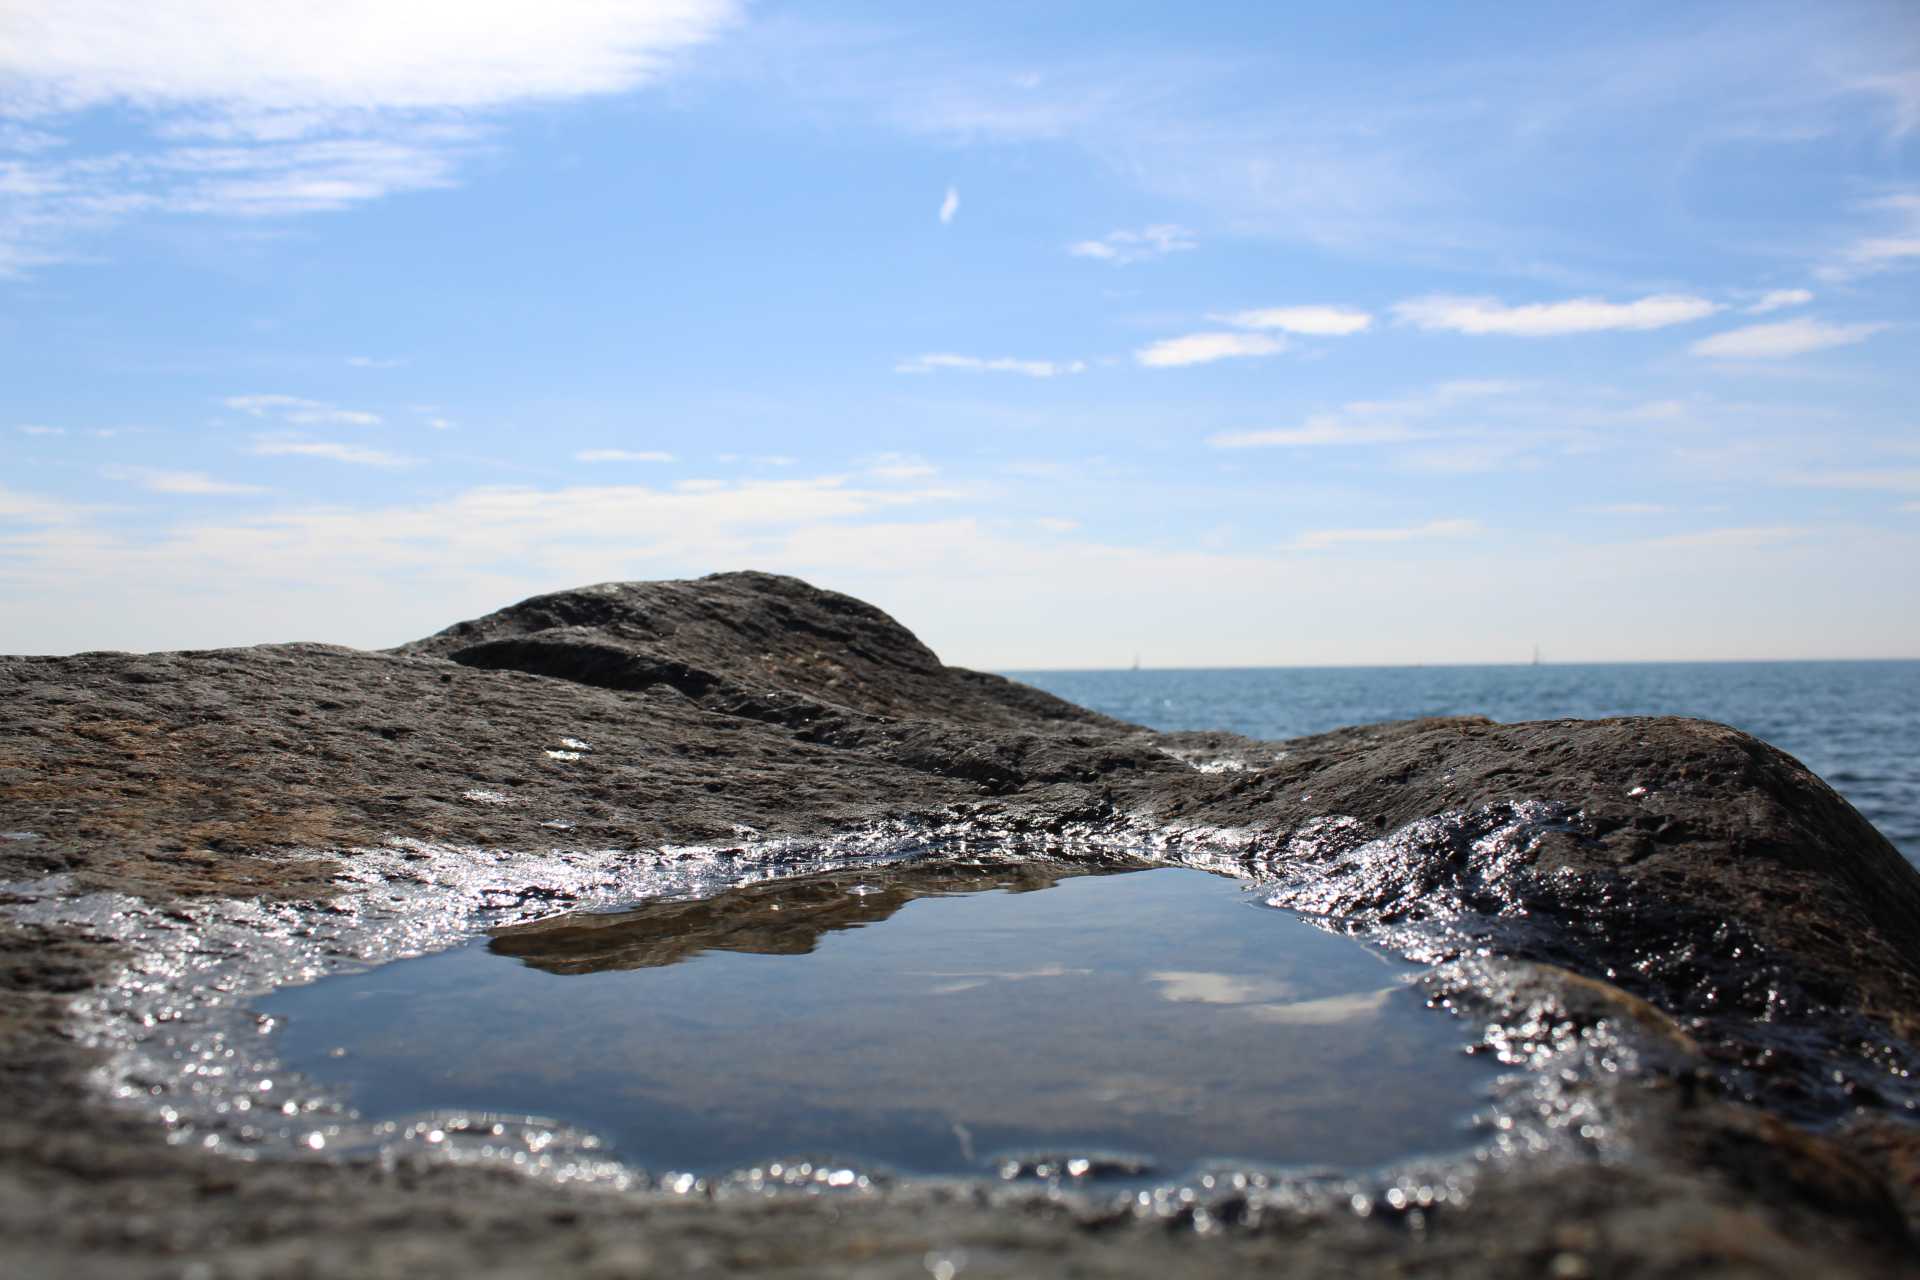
(928, 1019)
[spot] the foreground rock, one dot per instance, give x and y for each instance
(1709, 959)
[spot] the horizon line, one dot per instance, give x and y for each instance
(1420, 666)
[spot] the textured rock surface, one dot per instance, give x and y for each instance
(1759, 940)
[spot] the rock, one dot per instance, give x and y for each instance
(729, 640)
(1702, 963)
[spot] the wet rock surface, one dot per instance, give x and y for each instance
(1701, 964)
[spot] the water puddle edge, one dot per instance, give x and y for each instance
(188, 1042)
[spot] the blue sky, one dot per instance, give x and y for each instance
(1218, 334)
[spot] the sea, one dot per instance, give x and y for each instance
(1856, 724)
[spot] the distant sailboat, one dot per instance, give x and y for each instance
(1536, 655)
(1136, 662)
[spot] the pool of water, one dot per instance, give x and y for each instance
(919, 1018)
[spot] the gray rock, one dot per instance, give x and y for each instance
(1717, 955)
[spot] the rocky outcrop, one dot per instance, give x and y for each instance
(729, 641)
(1672, 893)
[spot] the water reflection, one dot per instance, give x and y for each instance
(773, 918)
(947, 1018)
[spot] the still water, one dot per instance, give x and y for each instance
(930, 1019)
(1856, 724)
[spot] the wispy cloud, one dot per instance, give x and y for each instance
(332, 451)
(1205, 348)
(897, 467)
(1445, 161)
(1902, 92)
(1124, 247)
(950, 205)
(1779, 300)
(1551, 319)
(565, 532)
(1892, 479)
(36, 430)
(1322, 539)
(155, 480)
(374, 362)
(997, 364)
(1746, 536)
(1418, 416)
(274, 110)
(1320, 430)
(1306, 321)
(1472, 458)
(17, 507)
(301, 412)
(622, 455)
(1896, 246)
(1782, 339)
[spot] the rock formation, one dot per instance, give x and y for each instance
(1702, 964)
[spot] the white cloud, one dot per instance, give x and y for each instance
(348, 56)
(1204, 348)
(897, 466)
(309, 106)
(1443, 162)
(332, 451)
(1782, 339)
(1470, 458)
(1550, 319)
(1760, 536)
(575, 534)
(1656, 411)
(260, 406)
(1902, 91)
(156, 480)
(1628, 509)
(32, 430)
(622, 455)
(1321, 539)
(382, 574)
(1370, 422)
(373, 362)
(29, 508)
(1124, 247)
(301, 412)
(1897, 246)
(331, 417)
(1309, 321)
(1000, 364)
(949, 206)
(1321, 429)
(1780, 299)
(1893, 479)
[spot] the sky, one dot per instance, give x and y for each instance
(1209, 334)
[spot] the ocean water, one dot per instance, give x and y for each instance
(1856, 724)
